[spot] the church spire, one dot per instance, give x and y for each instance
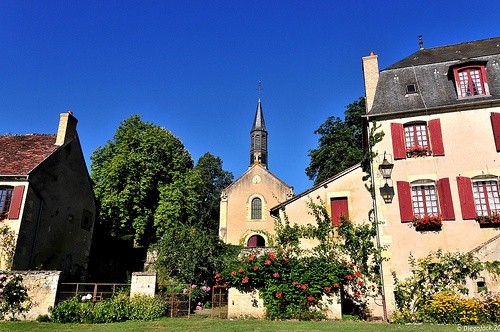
(258, 137)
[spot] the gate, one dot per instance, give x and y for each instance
(219, 302)
(178, 297)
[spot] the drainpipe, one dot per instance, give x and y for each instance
(38, 218)
(375, 216)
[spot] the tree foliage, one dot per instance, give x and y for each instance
(129, 172)
(340, 144)
(193, 198)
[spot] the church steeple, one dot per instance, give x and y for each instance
(258, 138)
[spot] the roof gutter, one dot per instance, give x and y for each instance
(434, 110)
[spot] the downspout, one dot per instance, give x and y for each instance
(375, 216)
(38, 218)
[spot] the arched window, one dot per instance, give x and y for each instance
(256, 241)
(256, 208)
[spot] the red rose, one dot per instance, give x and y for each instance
(303, 286)
(349, 277)
(358, 274)
(335, 285)
(272, 255)
(255, 268)
(251, 258)
(310, 298)
(276, 275)
(245, 280)
(241, 270)
(267, 262)
(327, 289)
(279, 295)
(233, 273)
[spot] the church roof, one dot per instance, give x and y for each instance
(258, 122)
(20, 154)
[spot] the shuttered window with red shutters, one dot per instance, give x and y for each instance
(417, 139)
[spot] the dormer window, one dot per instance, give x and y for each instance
(471, 81)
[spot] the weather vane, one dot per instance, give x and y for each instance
(259, 88)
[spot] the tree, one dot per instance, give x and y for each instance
(187, 219)
(129, 172)
(191, 254)
(340, 144)
(193, 199)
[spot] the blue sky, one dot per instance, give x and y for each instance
(193, 66)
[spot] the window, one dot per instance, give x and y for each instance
(486, 198)
(256, 208)
(339, 207)
(416, 139)
(5, 200)
(11, 199)
(411, 89)
(470, 81)
(425, 198)
(478, 196)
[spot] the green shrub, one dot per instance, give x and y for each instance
(147, 308)
(73, 311)
(117, 309)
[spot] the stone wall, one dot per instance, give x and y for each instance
(42, 290)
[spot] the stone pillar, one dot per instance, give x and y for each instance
(143, 283)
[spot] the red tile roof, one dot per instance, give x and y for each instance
(20, 154)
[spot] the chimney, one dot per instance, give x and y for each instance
(67, 128)
(370, 71)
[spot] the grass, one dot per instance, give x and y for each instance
(212, 325)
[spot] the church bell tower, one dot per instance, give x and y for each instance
(258, 138)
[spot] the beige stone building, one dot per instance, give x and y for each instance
(245, 217)
(46, 201)
(440, 111)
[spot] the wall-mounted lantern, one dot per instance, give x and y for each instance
(385, 168)
(387, 192)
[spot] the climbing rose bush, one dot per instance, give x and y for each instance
(292, 287)
(14, 299)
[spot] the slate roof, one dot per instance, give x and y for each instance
(20, 154)
(258, 122)
(431, 71)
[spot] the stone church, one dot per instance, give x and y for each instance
(245, 204)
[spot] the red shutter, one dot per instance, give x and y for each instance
(405, 203)
(495, 125)
(436, 137)
(398, 141)
(466, 198)
(339, 207)
(445, 200)
(16, 202)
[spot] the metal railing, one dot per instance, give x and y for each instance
(95, 291)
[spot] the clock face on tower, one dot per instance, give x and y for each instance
(256, 179)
